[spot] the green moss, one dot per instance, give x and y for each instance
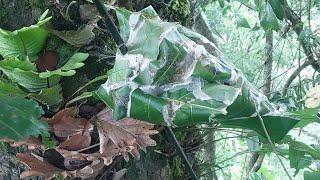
(2, 13)
(179, 10)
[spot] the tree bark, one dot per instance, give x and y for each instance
(267, 67)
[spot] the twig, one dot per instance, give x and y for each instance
(271, 143)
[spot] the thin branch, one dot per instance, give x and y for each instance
(271, 143)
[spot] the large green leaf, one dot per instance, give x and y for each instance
(19, 118)
(24, 42)
(176, 77)
(75, 62)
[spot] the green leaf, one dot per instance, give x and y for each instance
(22, 73)
(52, 97)
(298, 160)
(300, 154)
(221, 3)
(253, 144)
(242, 22)
(19, 118)
(10, 89)
(24, 42)
(278, 8)
(268, 19)
(84, 95)
(308, 175)
(307, 116)
(43, 15)
(176, 77)
(75, 62)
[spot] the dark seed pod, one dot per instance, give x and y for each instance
(47, 61)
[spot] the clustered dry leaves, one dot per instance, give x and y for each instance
(68, 159)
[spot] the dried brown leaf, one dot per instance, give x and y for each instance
(126, 132)
(90, 171)
(76, 142)
(32, 143)
(37, 167)
(66, 123)
(122, 137)
(110, 152)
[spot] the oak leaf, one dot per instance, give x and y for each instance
(66, 123)
(37, 167)
(128, 132)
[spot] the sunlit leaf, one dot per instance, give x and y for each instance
(24, 42)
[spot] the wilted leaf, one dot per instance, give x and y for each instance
(110, 151)
(75, 62)
(91, 171)
(37, 167)
(127, 132)
(78, 38)
(66, 123)
(19, 118)
(32, 143)
(175, 77)
(76, 142)
(88, 12)
(123, 137)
